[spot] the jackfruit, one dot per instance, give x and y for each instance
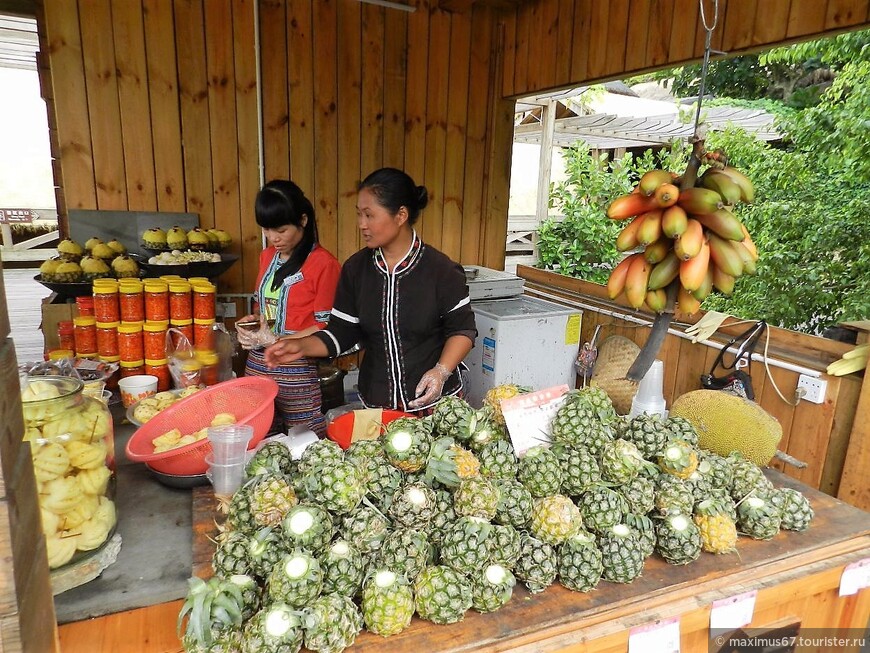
(727, 423)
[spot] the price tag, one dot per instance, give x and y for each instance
(855, 576)
(733, 612)
(528, 416)
(662, 637)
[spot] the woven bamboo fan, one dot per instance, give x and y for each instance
(615, 356)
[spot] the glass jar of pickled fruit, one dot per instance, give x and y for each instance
(72, 443)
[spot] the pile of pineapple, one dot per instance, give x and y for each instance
(75, 263)
(439, 516)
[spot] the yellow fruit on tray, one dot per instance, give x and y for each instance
(726, 423)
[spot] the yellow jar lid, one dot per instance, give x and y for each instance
(130, 328)
(207, 357)
(204, 287)
(179, 286)
(105, 286)
(160, 325)
(198, 280)
(181, 322)
(130, 285)
(155, 363)
(156, 285)
(138, 363)
(190, 365)
(170, 277)
(84, 320)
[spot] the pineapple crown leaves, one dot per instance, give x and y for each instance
(216, 602)
(441, 465)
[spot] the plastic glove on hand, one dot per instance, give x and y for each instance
(707, 325)
(254, 338)
(430, 386)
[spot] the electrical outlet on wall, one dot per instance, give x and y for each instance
(812, 388)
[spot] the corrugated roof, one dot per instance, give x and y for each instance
(18, 42)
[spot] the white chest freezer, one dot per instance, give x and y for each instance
(522, 340)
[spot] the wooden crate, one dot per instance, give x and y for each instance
(33, 627)
(11, 417)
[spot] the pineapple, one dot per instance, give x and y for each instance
(451, 418)
(331, 623)
(747, 479)
(238, 509)
(467, 464)
(387, 603)
(444, 515)
(271, 457)
(319, 454)
(484, 429)
(699, 482)
(504, 544)
(364, 450)
(580, 469)
(308, 527)
(464, 546)
(406, 444)
(338, 487)
(343, 568)
(716, 526)
(443, 464)
(212, 608)
(491, 587)
(406, 551)
(758, 518)
(722, 496)
(276, 629)
(265, 550)
(441, 595)
(539, 471)
(366, 527)
(678, 540)
(649, 433)
(296, 580)
(620, 462)
(498, 460)
(640, 493)
(794, 507)
(720, 474)
(271, 498)
(645, 530)
(555, 519)
(579, 562)
(250, 592)
(601, 507)
(673, 496)
(476, 497)
(621, 555)
(536, 566)
(600, 404)
(382, 481)
(494, 396)
(682, 429)
(678, 459)
(231, 555)
(514, 504)
(413, 506)
(577, 423)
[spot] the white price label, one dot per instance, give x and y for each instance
(855, 576)
(662, 637)
(733, 612)
(528, 416)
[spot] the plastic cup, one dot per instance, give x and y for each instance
(137, 387)
(230, 442)
(649, 398)
(225, 478)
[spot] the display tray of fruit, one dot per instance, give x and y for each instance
(439, 516)
(74, 289)
(188, 263)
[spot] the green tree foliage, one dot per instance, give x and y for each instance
(809, 220)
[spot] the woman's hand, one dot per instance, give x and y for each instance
(430, 386)
(283, 352)
(254, 337)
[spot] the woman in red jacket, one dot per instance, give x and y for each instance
(295, 289)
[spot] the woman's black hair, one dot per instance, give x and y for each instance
(394, 189)
(281, 202)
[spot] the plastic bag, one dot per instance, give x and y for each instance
(183, 366)
(225, 349)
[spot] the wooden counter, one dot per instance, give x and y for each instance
(796, 574)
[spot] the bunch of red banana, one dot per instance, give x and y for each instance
(686, 237)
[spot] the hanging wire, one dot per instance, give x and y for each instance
(708, 28)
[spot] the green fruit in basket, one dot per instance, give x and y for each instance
(338, 487)
(274, 629)
(271, 457)
(331, 623)
(387, 603)
(318, 455)
(296, 580)
(271, 498)
(343, 569)
(231, 555)
(308, 527)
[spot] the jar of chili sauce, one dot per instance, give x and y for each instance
(107, 338)
(154, 340)
(160, 369)
(202, 334)
(106, 306)
(156, 301)
(131, 297)
(85, 335)
(204, 301)
(132, 368)
(180, 301)
(185, 326)
(130, 342)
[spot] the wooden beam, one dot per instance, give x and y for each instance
(546, 165)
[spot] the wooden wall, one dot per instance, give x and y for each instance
(559, 43)
(818, 434)
(153, 106)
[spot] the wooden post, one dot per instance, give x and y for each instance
(548, 124)
(854, 488)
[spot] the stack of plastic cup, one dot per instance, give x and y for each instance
(649, 398)
(226, 463)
